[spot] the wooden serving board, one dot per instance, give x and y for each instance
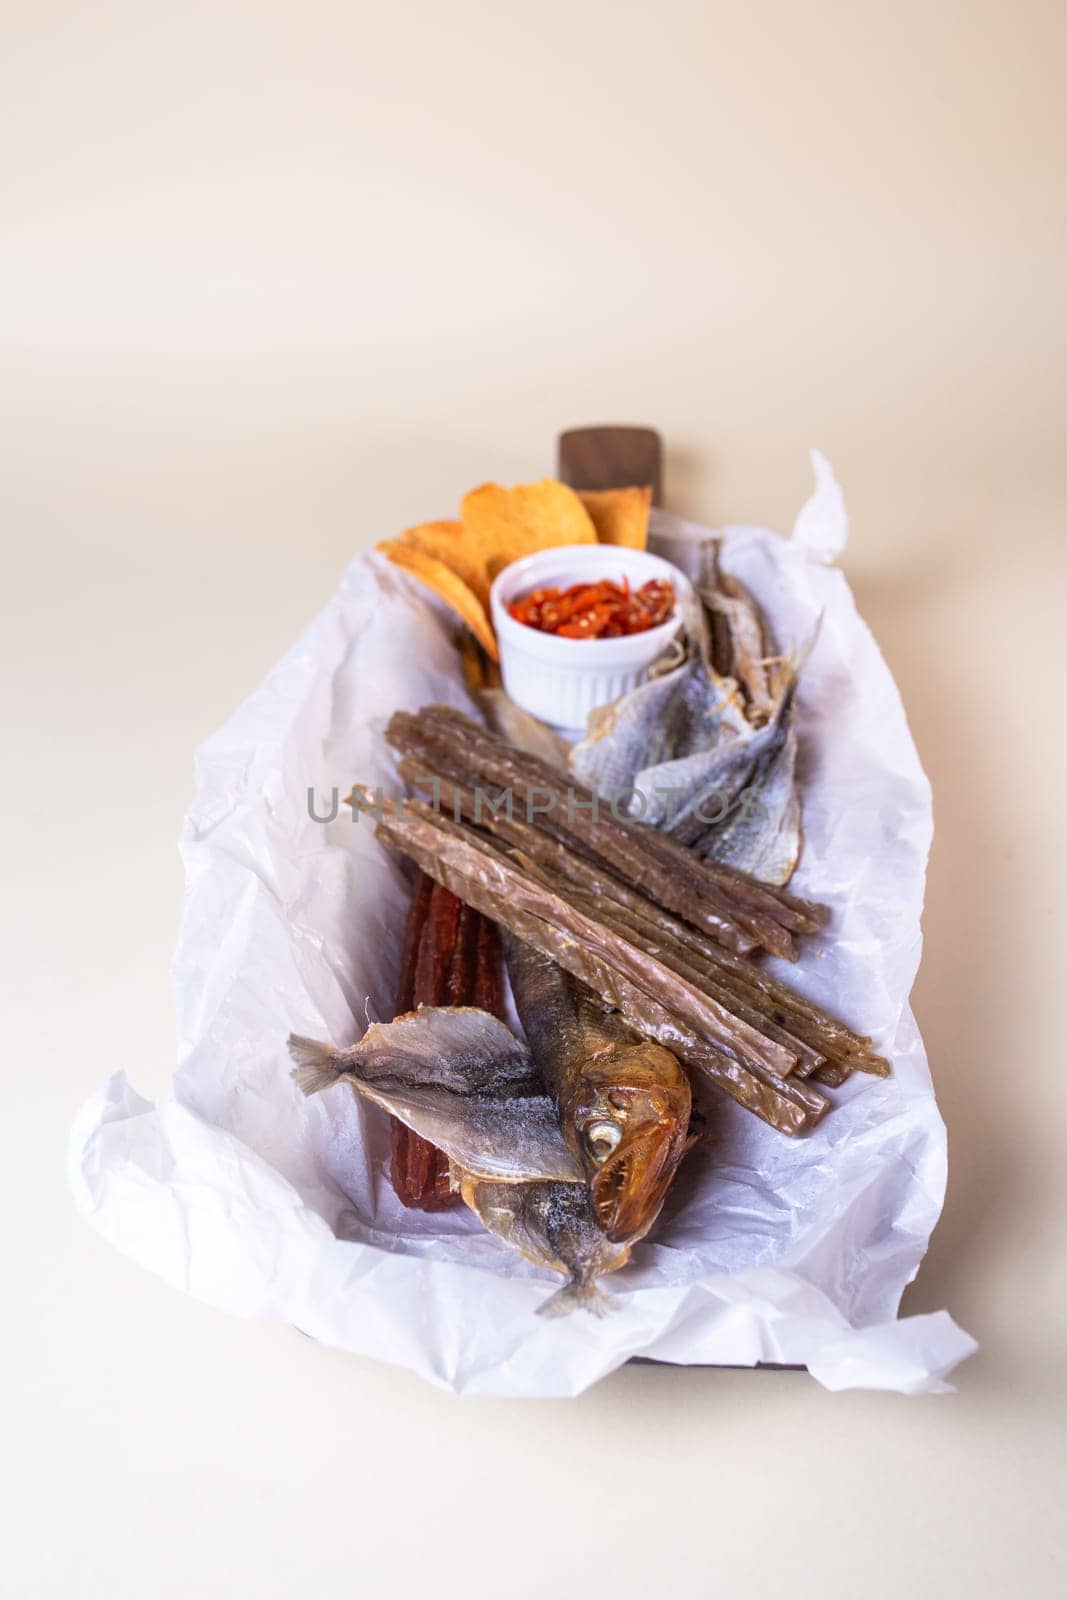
(616, 458)
(611, 458)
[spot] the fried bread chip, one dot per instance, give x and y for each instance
(448, 586)
(620, 516)
(505, 524)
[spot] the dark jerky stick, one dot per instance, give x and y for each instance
(488, 991)
(723, 971)
(435, 948)
(410, 1164)
(456, 962)
(606, 898)
(413, 1168)
(409, 955)
(430, 749)
(707, 1017)
(460, 979)
(419, 1170)
(461, 989)
(614, 969)
(611, 835)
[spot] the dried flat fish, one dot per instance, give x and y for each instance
(461, 1079)
(683, 751)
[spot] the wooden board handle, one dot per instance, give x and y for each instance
(611, 458)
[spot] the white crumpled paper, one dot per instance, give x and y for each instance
(265, 1204)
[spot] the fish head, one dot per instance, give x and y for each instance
(630, 1123)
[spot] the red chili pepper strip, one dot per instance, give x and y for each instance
(604, 610)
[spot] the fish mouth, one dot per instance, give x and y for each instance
(628, 1190)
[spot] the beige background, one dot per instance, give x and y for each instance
(279, 279)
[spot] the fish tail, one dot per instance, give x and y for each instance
(577, 1296)
(317, 1065)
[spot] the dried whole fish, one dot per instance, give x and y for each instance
(460, 1078)
(623, 1101)
(686, 753)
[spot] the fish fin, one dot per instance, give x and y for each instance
(577, 1296)
(459, 1048)
(459, 1077)
(317, 1065)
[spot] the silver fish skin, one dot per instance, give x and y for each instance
(664, 719)
(708, 759)
(460, 1078)
(689, 799)
(762, 836)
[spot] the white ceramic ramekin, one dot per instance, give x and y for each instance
(562, 680)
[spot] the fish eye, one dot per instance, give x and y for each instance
(601, 1139)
